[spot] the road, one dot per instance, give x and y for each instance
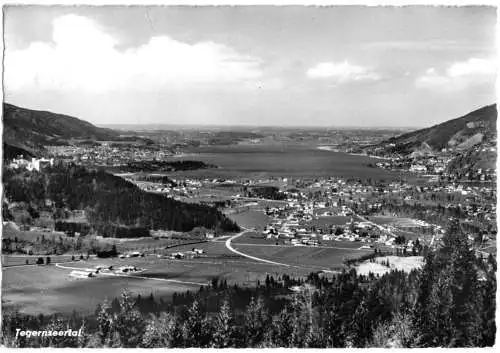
(257, 199)
(293, 246)
(228, 245)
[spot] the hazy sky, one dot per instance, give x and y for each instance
(331, 66)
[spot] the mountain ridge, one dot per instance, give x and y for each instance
(474, 128)
(32, 129)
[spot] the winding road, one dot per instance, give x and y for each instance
(229, 246)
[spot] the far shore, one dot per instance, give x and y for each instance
(332, 149)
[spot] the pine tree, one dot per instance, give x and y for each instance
(360, 326)
(488, 308)
(129, 322)
(223, 327)
(195, 329)
(302, 317)
(282, 329)
(332, 328)
(159, 331)
(104, 322)
(57, 324)
(256, 322)
(448, 307)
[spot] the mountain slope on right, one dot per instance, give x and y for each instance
(468, 142)
(475, 128)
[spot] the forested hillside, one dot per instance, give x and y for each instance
(466, 164)
(28, 128)
(109, 201)
(10, 152)
(475, 128)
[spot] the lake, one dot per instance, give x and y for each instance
(283, 160)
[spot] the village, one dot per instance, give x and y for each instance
(316, 211)
(108, 153)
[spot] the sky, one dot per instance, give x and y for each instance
(336, 66)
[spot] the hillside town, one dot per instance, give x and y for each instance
(110, 154)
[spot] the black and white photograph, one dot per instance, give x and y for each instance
(249, 176)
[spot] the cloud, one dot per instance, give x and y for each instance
(460, 75)
(83, 56)
(342, 72)
(427, 45)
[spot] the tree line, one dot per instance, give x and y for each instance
(111, 203)
(162, 166)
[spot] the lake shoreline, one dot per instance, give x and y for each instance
(331, 149)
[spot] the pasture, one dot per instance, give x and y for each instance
(250, 219)
(324, 221)
(20, 260)
(50, 289)
(254, 238)
(312, 258)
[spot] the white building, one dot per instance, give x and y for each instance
(35, 164)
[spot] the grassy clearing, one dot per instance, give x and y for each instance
(18, 260)
(250, 219)
(395, 263)
(382, 220)
(311, 257)
(253, 238)
(330, 220)
(48, 289)
(142, 244)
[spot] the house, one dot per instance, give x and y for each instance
(418, 168)
(35, 164)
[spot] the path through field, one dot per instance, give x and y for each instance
(133, 276)
(228, 245)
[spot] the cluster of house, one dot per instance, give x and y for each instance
(106, 154)
(131, 254)
(417, 164)
(37, 164)
(291, 223)
(184, 188)
(109, 270)
(194, 253)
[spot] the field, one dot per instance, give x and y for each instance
(330, 220)
(250, 219)
(49, 289)
(395, 221)
(395, 263)
(141, 244)
(282, 160)
(18, 260)
(253, 238)
(312, 258)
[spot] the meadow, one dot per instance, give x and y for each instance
(20, 260)
(330, 220)
(250, 219)
(50, 289)
(306, 257)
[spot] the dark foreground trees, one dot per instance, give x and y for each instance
(455, 303)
